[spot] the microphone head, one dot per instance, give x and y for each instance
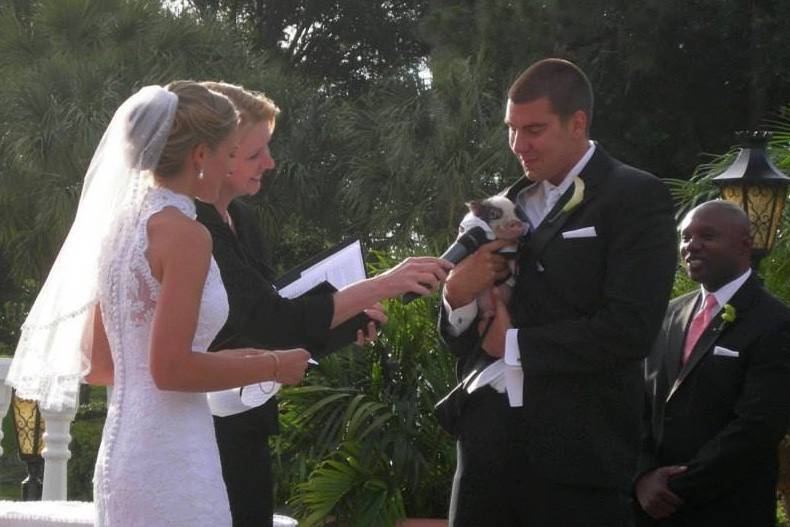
(473, 238)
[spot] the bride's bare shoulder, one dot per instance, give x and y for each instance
(173, 236)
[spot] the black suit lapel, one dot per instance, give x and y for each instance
(681, 319)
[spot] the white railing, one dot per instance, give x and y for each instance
(57, 437)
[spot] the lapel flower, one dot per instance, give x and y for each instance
(576, 198)
(728, 313)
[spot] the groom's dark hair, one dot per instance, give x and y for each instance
(562, 82)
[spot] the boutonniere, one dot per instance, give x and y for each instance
(577, 197)
(727, 317)
(728, 313)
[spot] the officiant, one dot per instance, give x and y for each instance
(259, 317)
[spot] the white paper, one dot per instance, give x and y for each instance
(340, 269)
(235, 401)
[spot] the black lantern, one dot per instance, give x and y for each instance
(29, 431)
(753, 183)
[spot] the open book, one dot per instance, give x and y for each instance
(338, 267)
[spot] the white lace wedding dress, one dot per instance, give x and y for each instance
(158, 464)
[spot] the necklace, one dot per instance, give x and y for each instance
(227, 219)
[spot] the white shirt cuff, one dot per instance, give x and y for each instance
(461, 318)
(512, 353)
(514, 375)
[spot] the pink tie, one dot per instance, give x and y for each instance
(698, 325)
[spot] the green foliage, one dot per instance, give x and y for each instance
(85, 439)
(361, 428)
(13, 313)
(415, 156)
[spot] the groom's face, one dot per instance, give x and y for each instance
(546, 145)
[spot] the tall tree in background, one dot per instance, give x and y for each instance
(345, 43)
(67, 65)
(672, 78)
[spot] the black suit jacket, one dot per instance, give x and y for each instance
(720, 415)
(587, 310)
(258, 316)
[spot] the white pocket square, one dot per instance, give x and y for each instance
(724, 352)
(584, 232)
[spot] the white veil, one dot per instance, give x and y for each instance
(51, 358)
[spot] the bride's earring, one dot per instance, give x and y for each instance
(200, 174)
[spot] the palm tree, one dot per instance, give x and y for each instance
(66, 65)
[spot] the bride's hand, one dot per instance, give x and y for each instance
(291, 365)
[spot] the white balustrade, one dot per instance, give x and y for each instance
(56, 452)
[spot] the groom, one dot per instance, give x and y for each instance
(593, 281)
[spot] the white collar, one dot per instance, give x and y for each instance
(725, 293)
(575, 171)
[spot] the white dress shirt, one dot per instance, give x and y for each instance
(725, 293)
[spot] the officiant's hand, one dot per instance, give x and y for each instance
(494, 340)
(421, 275)
(476, 273)
(376, 312)
(291, 365)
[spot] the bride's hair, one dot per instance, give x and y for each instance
(253, 107)
(202, 116)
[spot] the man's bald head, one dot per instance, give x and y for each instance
(715, 243)
(725, 212)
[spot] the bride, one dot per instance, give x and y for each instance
(134, 299)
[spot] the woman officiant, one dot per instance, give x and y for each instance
(260, 317)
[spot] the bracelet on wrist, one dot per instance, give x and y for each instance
(276, 359)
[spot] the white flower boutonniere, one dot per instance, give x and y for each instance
(577, 197)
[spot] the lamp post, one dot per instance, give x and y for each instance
(29, 429)
(753, 183)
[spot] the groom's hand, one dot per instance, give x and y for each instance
(476, 273)
(494, 340)
(654, 495)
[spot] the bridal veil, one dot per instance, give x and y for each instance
(53, 354)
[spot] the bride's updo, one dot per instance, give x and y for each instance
(202, 116)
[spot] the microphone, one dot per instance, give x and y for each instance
(466, 244)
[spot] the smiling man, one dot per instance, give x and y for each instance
(550, 435)
(718, 382)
